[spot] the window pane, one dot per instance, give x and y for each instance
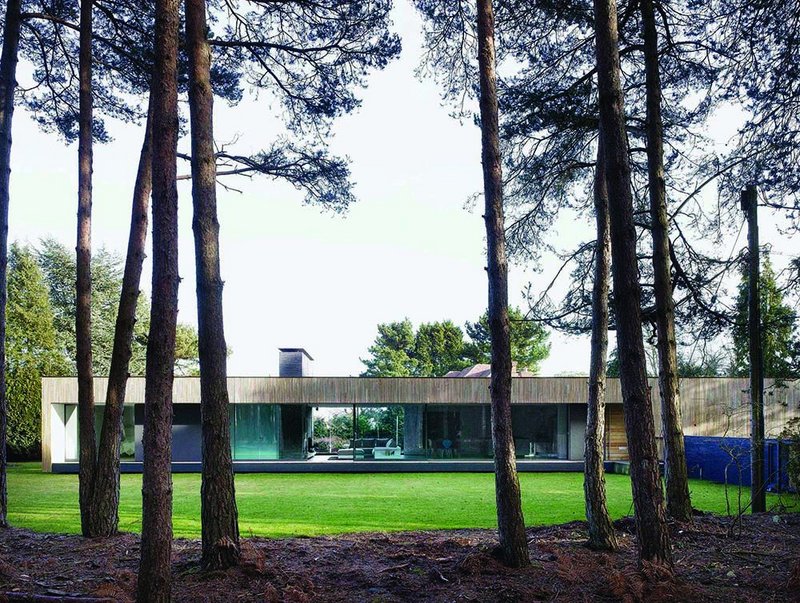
(540, 430)
(128, 447)
(70, 432)
(255, 431)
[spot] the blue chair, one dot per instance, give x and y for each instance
(447, 448)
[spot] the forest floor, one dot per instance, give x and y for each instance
(714, 561)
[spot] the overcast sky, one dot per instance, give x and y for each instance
(297, 277)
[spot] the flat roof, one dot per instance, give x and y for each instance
(343, 391)
(303, 350)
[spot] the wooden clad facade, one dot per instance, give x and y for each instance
(343, 390)
(721, 407)
(616, 441)
(718, 406)
(710, 406)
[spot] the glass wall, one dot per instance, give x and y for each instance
(70, 432)
(296, 441)
(258, 432)
(127, 449)
(400, 432)
(540, 431)
(71, 442)
(332, 429)
(453, 431)
(255, 433)
(379, 432)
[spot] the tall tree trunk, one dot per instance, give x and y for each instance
(220, 527)
(755, 329)
(648, 500)
(8, 83)
(510, 522)
(106, 479)
(601, 530)
(679, 505)
(83, 285)
(154, 569)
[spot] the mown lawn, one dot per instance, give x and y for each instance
(277, 505)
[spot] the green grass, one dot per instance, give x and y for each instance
(278, 505)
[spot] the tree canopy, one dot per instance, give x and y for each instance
(32, 349)
(58, 267)
(41, 330)
(529, 341)
(438, 347)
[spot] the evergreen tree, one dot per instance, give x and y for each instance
(8, 84)
(31, 350)
(87, 439)
(392, 354)
(59, 268)
(651, 525)
(107, 475)
(154, 582)
(707, 365)
(601, 530)
(529, 345)
(781, 347)
(438, 347)
(219, 515)
(510, 521)
(757, 54)
(57, 264)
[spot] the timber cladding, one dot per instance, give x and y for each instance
(710, 406)
(341, 390)
(616, 442)
(721, 407)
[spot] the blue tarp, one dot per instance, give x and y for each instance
(727, 460)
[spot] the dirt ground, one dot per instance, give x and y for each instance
(759, 562)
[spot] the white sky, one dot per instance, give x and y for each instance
(296, 277)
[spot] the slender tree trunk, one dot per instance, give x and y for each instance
(83, 285)
(8, 82)
(601, 530)
(510, 522)
(648, 500)
(758, 493)
(679, 505)
(218, 501)
(106, 479)
(155, 583)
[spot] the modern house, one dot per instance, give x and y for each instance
(446, 420)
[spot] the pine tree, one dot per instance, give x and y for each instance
(510, 521)
(438, 347)
(8, 84)
(219, 517)
(651, 525)
(154, 582)
(83, 282)
(679, 505)
(528, 340)
(601, 530)
(392, 353)
(781, 346)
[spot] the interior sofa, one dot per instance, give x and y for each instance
(371, 448)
